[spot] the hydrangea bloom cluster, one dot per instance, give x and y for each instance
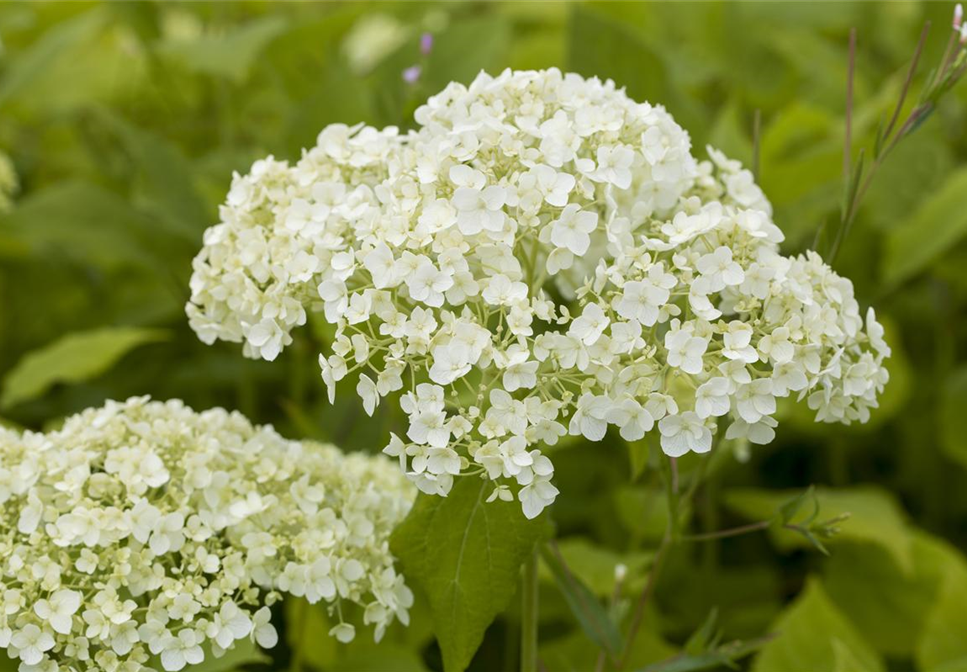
(143, 534)
(542, 256)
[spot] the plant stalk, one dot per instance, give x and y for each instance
(528, 616)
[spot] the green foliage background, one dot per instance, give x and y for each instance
(124, 122)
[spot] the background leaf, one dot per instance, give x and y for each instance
(874, 516)
(935, 227)
(230, 54)
(814, 635)
(73, 358)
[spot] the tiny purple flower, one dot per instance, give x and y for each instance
(412, 74)
(426, 43)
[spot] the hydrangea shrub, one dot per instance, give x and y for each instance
(144, 534)
(542, 256)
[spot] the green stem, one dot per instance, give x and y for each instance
(528, 616)
(731, 532)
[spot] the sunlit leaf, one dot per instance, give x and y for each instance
(943, 642)
(889, 606)
(51, 46)
(812, 635)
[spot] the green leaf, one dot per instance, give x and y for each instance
(458, 53)
(935, 227)
(85, 223)
(74, 358)
(36, 61)
(465, 554)
(790, 509)
(888, 606)
(846, 661)
(592, 616)
(602, 46)
(874, 516)
(230, 54)
(167, 188)
(814, 635)
(943, 643)
(953, 420)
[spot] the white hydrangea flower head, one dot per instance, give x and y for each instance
(542, 256)
(144, 534)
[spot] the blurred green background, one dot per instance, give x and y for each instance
(123, 122)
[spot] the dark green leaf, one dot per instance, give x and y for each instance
(465, 555)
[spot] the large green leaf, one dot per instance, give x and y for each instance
(73, 358)
(888, 606)
(36, 61)
(465, 555)
(814, 635)
(932, 229)
(943, 643)
(874, 516)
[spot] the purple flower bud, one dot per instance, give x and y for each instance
(958, 15)
(412, 74)
(426, 43)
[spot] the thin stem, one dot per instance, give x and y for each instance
(730, 532)
(850, 76)
(948, 55)
(908, 80)
(528, 616)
